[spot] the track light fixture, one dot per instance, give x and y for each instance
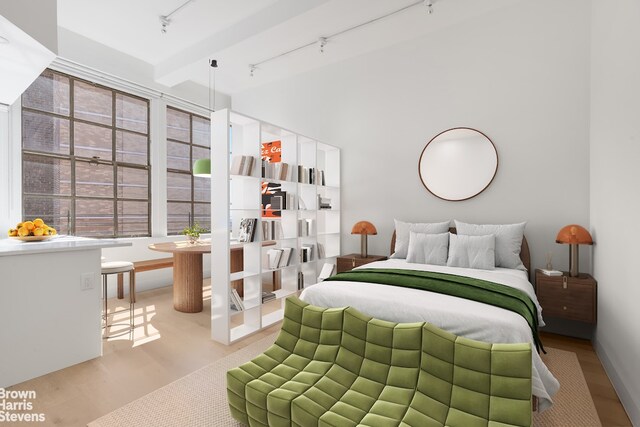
(321, 42)
(429, 5)
(165, 20)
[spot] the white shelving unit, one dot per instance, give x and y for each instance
(235, 197)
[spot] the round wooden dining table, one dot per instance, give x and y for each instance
(187, 272)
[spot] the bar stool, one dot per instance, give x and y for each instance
(118, 267)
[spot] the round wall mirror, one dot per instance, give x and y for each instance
(458, 164)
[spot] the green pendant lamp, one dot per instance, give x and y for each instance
(202, 168)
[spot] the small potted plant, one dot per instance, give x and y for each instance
(193, 232)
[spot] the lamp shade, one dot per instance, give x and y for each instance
(364, 227)
(575, 235)
(202, 168)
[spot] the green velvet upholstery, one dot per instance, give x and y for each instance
(339, 367)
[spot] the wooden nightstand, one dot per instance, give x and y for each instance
(347, 262)
(566, 297)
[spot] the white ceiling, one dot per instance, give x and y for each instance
(242, 32)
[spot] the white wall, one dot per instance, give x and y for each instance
(615, 201)
(519, 74)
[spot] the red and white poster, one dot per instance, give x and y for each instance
(272, 151)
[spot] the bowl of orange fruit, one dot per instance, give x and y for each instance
(32, 231)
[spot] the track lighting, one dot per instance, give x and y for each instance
(322, 41)
(165, 20)
(429, 5)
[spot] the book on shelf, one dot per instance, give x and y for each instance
(248, 166)
(310, 175)
(321, 253)
(273, 258)
(268, 296)
(306, 253)
(272, 230)
(242, 165)
(300, 280)
(278, 258)
(326, 272)
(247, 230)
(285, 259)
(306, 227)
(280, 171)
(235, 301)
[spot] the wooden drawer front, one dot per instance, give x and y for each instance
(345, 264)
(576, 302)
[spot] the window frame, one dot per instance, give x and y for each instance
(192, 202)
(73, 159)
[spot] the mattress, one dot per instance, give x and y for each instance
(459, 316)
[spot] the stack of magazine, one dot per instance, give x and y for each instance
(268, 296)
(324, 202)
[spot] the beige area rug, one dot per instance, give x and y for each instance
(199, 399)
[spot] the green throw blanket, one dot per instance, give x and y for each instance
(449, 284)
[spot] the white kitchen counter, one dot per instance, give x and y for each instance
(10, 247)
(50, 305)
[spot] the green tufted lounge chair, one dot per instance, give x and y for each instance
(339, 367)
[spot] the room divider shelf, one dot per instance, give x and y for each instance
(288, 209)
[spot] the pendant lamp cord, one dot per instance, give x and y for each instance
(212, 73)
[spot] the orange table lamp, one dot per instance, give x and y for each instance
(574, 235)
(364, 228)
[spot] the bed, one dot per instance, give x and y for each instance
(459, 316)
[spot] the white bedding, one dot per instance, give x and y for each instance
(459, 316)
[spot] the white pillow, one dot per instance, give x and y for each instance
(508, 241)
(404, 228)
(428, 248)
(472, 251)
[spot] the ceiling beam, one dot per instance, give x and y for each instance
(177, 68)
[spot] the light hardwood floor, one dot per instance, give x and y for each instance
(168, 345)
